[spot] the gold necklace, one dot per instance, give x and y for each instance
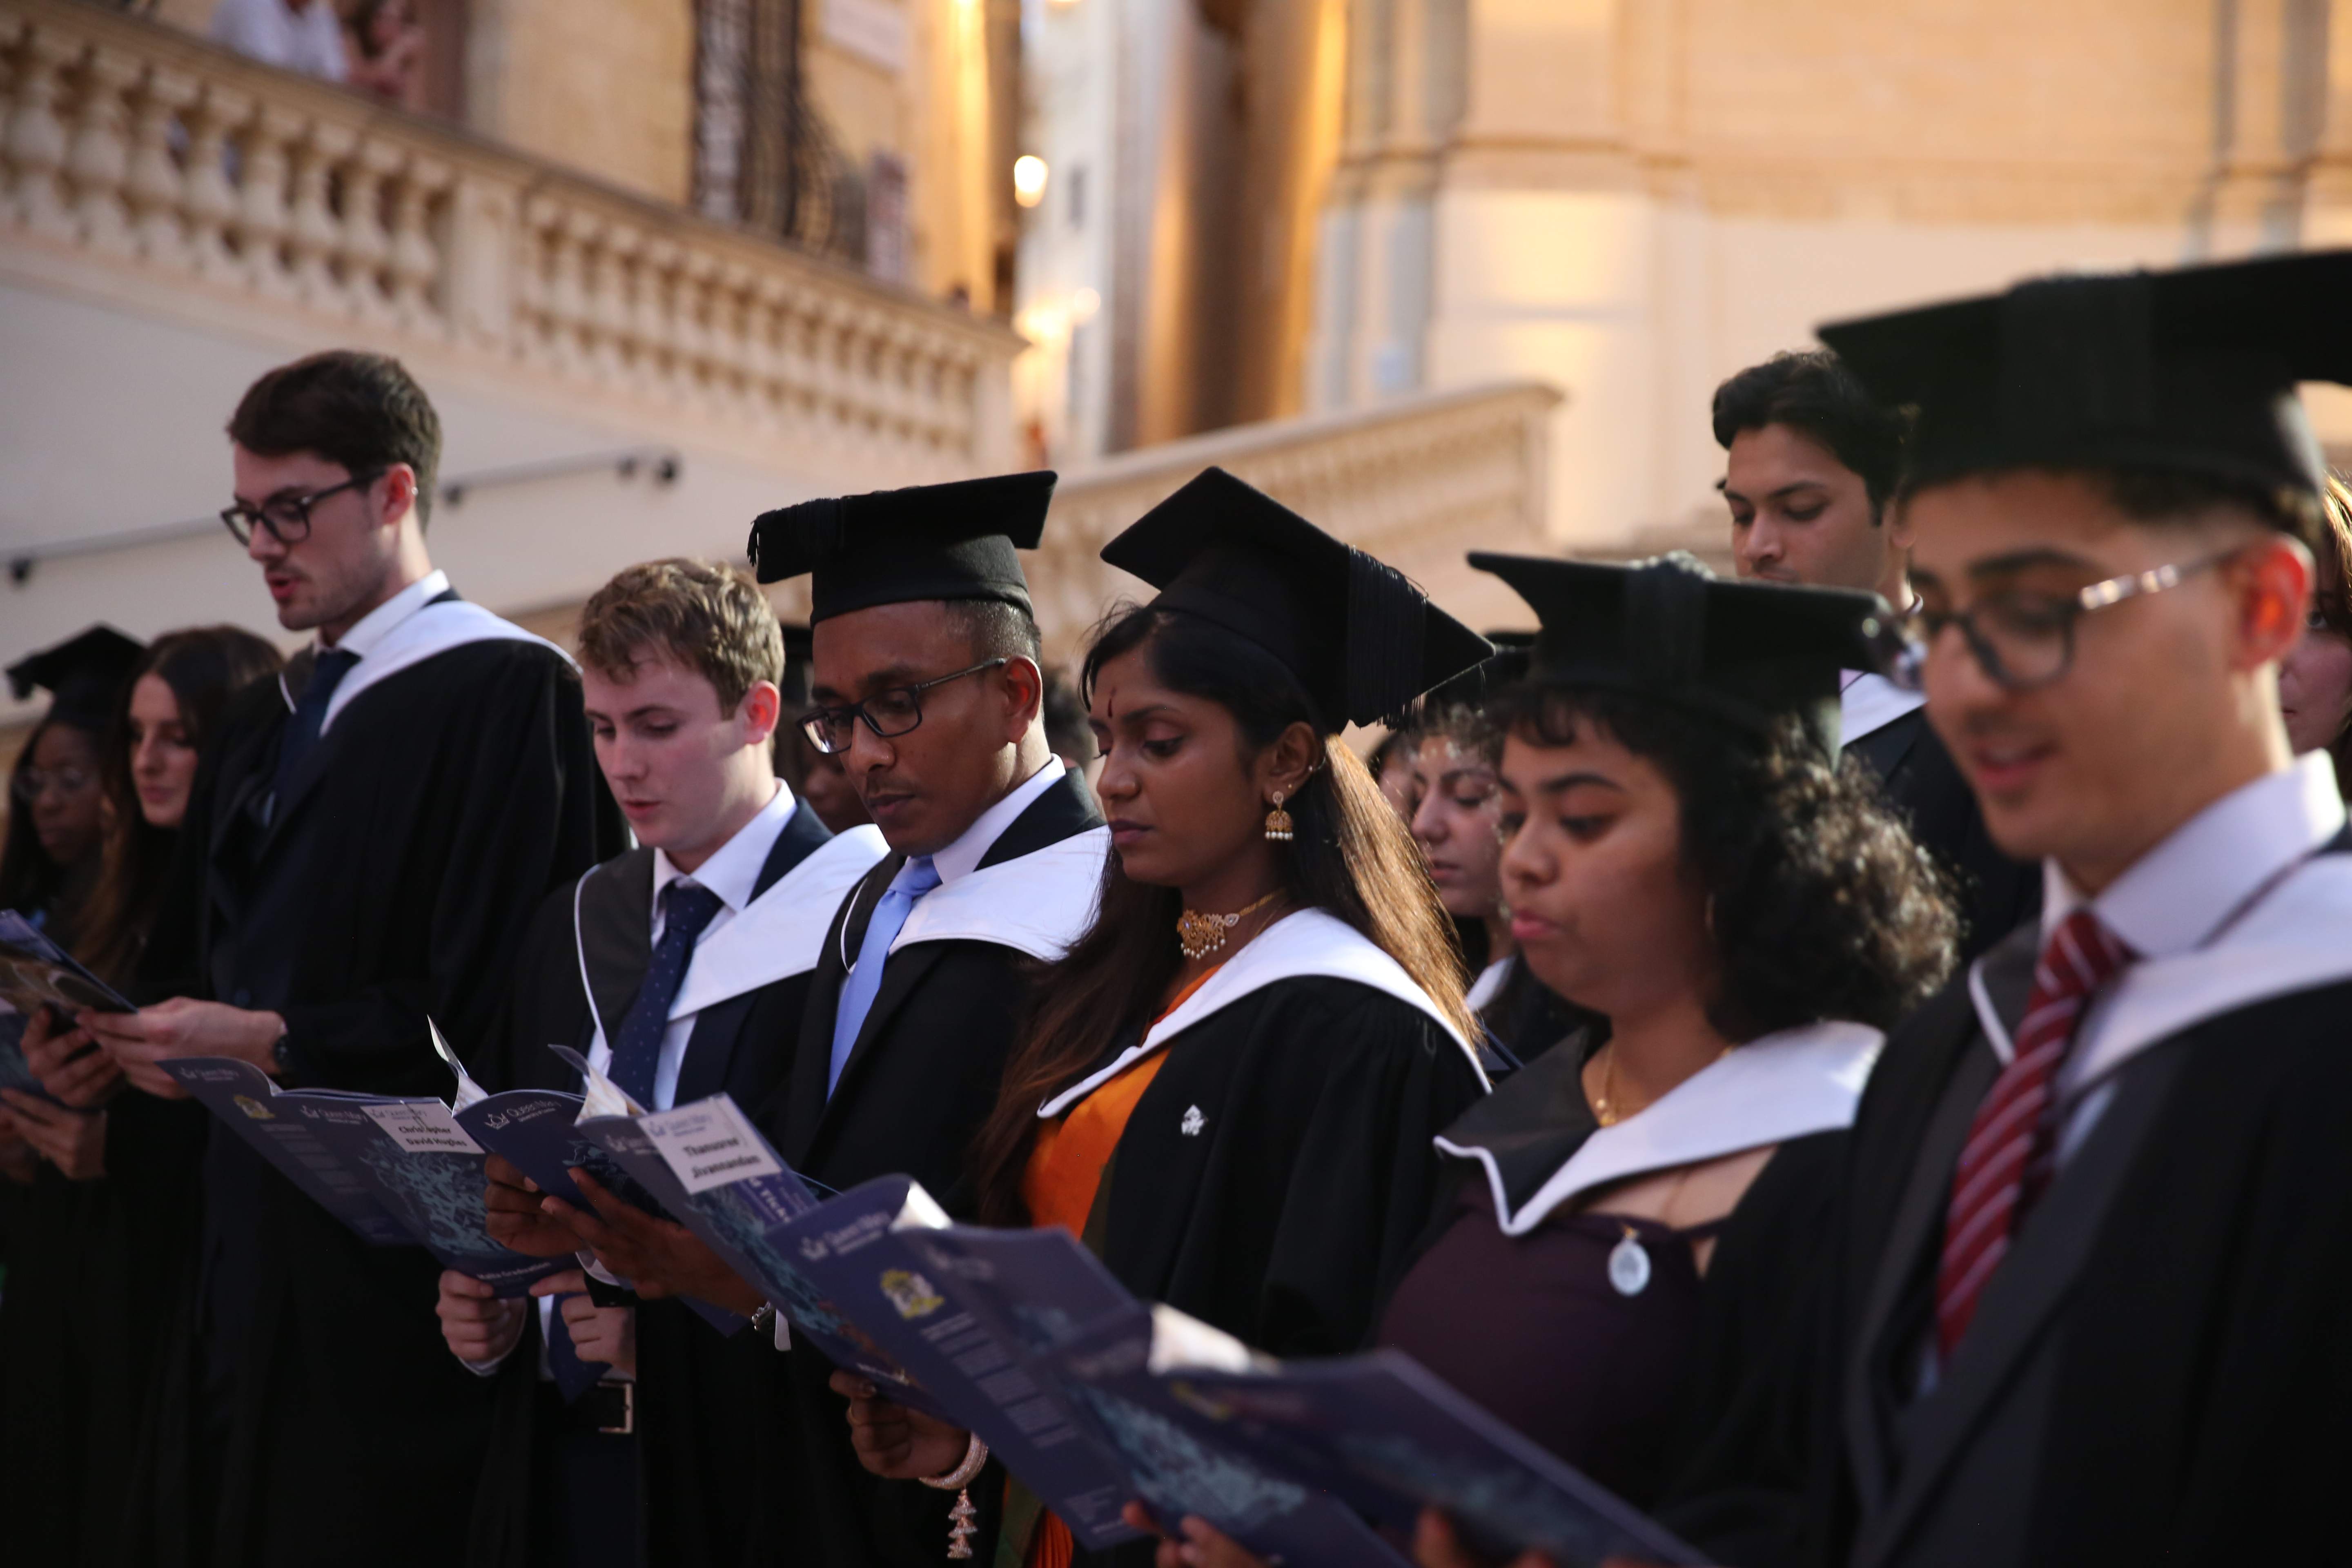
(1604, 1109)
(1200, 935)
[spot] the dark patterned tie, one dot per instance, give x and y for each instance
(2011, 1150)
(301, 736)
(687, 909)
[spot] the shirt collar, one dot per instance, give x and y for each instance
(733, 869)
(962, 858)
(1868, 703)
(371, 629)
(2176, 897)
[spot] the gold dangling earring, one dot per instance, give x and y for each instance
(1277, 822)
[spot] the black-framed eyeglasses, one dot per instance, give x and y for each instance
(30, 783)
(887, 713)
(288, 518)
(2026, 641)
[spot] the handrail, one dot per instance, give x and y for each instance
(661, 464)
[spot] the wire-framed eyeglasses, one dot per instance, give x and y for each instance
(2026, 641)
(889, 713)
(286, 519)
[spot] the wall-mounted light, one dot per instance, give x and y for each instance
(1028, 179)
(1084, 304)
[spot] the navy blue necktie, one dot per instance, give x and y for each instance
(687, 909)
(301, 736)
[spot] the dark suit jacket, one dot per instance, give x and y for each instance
(1997, 894)
(921, 1077)
(707, 1406)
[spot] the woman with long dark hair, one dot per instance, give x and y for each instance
(1229, 1086)
(103, 1219)
(58, 806)
(1634, 1222)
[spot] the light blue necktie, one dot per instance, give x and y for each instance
(859, 986)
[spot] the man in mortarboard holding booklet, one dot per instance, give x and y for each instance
(2097, 1231)
(927, 685)
(363, 847)
(680, 969)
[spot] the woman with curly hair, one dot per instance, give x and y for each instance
(1630, 1223)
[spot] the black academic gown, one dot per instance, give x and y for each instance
(921, 1079)
(2158, 1370)
(706, 1404)
(312, 1409)
(1761, 1295)
(1307, 1171)
(1997, 894)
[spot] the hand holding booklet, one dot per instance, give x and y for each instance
(1092, 1398)
(395, 1170)
(36, 972)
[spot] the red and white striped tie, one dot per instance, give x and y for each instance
(2008, 1157)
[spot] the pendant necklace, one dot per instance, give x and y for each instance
(1199, 935)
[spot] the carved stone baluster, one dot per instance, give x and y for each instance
(695, 387)
(763, 318)
(367, 247)
(655, 314)
(261, 223)
(155, 188)
(415, 264)
(587, 232)
(797, 373)
(608, 302)
(311, 229)
(533, 331)
(35, 145)
(724, 340)
(211, 200)
(566, 303)
(99, 156)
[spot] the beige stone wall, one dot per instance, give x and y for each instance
(602, 86)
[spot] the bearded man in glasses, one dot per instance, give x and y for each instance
(2098, 1226)
(363, 847)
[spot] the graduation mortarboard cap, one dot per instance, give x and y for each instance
(1744, 653)
(1362, 639)
(1506, 666)
(83, 675)
(927, 541)
(2191, 372)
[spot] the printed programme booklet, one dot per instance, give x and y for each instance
(1378, 1431)
(36, 972)
(397, 1171)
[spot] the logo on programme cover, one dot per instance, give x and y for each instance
(1192, 1124)
(911, 1293)
(254, 1108)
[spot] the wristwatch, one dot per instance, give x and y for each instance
(280, 1056)
(764, 1321)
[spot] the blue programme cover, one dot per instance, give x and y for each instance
(534, 1130)
(1382, 1432)
(966, 1311)
(247, 1102)
(429, 1171)
(36, 972)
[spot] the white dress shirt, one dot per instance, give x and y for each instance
(732, 872)
(371, 629)
(2181, 895)
(962, 858)
(1868, 702)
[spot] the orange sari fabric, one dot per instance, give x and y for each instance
(1065, 1173)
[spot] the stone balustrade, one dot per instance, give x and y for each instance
(1416, 483)
(151, 167)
